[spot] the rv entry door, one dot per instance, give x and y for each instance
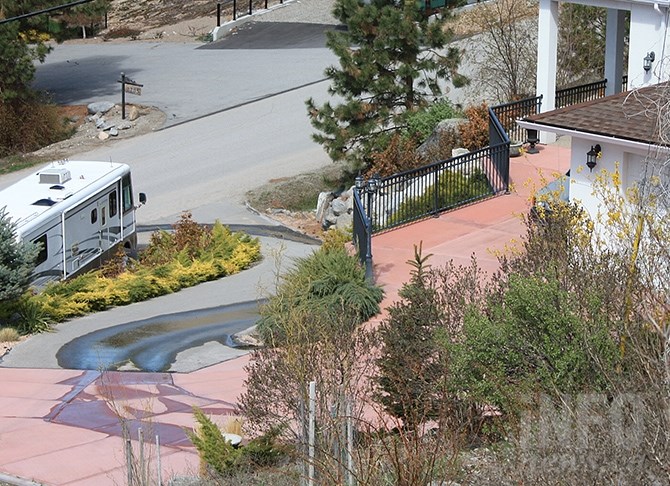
(103, 229)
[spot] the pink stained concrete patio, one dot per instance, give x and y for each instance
(62, 427)
(481, 229)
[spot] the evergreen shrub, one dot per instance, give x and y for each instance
(191, 255)
(453, 189)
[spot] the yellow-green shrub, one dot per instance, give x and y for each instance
(219, 253)
(58, 308)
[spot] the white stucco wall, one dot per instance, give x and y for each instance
(581, 179)
(633, 167)
(648, 32)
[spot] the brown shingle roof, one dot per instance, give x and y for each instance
(632, 115)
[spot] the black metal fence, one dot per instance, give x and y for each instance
(499, 146)
(438, 187)
(248, 7)
(580, 94)
(415, 194)
(362, 236)
(508, 113)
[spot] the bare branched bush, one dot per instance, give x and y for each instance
(506, 49)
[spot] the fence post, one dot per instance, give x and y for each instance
(129, 460)
(159, 480)
(436, 189)
(250, 7)
(312, 430)
(140, 440)
(350, 445)
(218, 14)
(123, 96)
(234, 9)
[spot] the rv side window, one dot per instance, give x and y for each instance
(127, 193)
(94, 216)
(44, 252)
(113, 202)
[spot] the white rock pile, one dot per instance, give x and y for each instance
(105, 127)
(336, 211)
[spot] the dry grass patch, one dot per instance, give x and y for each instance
(9, 335)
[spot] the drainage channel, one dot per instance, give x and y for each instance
(153, 344)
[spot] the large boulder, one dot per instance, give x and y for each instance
(133, 113)
(344, 221)
(339, 206)
(442, 128)
(100, 107)
(322, 205)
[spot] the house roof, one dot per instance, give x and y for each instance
(632, 115)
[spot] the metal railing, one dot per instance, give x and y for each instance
(508, 113)
(580, 94)
(248, 8)
(427, 191)
(432, 189)
(499, 146)
(362, 235)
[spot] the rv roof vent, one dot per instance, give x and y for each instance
(55, 175)
(44, 202)
(57, 187)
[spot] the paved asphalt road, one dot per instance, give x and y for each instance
(273, 35)
(248, 122)
(190, 80)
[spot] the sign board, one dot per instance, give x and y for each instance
(133, 89)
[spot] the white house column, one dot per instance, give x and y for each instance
(647, 34)
(547, 42)
(614, 37)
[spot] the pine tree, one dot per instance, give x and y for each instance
(16, 261)
(86, 15)
(20, 47)
(17, 67)
(412, 364)
(393, 57)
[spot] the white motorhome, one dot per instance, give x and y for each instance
(78, 211)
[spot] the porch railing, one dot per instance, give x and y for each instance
(432, 189)
(508, 113)
(415, 194)
(499, 146)
(580, 94)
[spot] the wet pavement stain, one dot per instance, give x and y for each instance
(119, 404)
(153, 344)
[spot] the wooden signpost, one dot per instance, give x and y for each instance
(128, 86)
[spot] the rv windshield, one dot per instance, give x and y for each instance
(127, 193)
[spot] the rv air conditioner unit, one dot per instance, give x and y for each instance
(55, 175)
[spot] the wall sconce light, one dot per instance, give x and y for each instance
(648, 59)
(532, 140)
(592, 156)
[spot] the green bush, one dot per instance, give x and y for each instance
(453, 189)
(189, 256)
(420, 124)
(220, 458)
(32, 317)
(323, 284)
